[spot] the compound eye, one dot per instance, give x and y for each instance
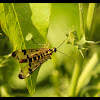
(55, 49)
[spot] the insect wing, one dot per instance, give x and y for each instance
(31, 67)
(26, 71)
(22, 54)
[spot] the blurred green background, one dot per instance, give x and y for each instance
(50, 23)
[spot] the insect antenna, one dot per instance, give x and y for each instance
(66, 54)
(69, 57)
(61, 44)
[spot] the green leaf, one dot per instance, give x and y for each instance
(40, 16)
(21, 19)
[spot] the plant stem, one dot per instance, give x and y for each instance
(87, 70)
(77, 69)
(74, 81)
(90, 16)
(82, 31)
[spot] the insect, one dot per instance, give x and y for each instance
(34, 58)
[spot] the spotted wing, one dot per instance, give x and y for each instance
(26, 55)
(22, 54)
(34, 58)
(31, 67)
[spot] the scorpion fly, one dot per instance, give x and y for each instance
(34, 58)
